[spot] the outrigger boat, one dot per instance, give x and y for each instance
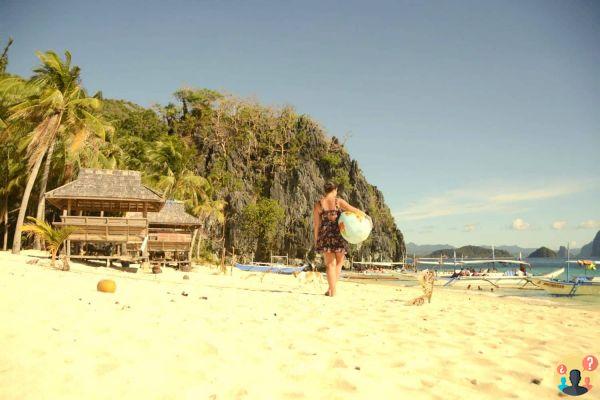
(493, 279)
(377, 276)
(496, 280)
(275, 267)
(389, 275)
(267, 267)
(580, 285)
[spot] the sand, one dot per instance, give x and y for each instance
(233, 337)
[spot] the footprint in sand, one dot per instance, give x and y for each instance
(104, 368)
(338, 363)
(343, 384)
(294, 395)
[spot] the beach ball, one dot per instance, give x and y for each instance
(106, 286)
(355, 228)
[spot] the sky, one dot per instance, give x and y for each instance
(478, 120)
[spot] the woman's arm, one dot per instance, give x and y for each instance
(347, 207)
(316, 221)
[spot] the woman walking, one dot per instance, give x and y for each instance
(328, 239)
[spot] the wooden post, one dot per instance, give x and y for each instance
(105, 225)
(146, 239)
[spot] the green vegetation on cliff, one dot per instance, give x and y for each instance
(231, 160)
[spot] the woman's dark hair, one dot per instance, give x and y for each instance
(329, 187)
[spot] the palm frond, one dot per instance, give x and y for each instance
(53, 237)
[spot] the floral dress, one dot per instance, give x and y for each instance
(330, 239)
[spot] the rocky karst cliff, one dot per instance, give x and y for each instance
(592, 249)
(248, 153)
(596, 246)
(297, 187)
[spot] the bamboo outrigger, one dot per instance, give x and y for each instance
(95, 203)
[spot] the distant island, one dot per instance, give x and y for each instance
(470, 252)
(543, 252)
(425, 249)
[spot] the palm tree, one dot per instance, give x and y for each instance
(59, 108)
(171, 172)
(4, 56)
(54, 238)
(209, 210)
(11, 181)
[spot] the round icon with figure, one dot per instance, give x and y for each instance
(573, 380)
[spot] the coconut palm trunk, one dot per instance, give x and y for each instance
(5, 216)
(16, 249)
(41, 209)
(193, 246)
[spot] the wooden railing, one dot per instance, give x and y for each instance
(106, 229)
(169, 241)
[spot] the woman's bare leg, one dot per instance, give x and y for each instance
(339, 262)
(331, 272)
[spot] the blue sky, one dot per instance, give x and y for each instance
(478, 120)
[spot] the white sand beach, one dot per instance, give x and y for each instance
(233, 337)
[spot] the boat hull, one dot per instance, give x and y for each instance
(496, 280)
(269, 268)
(512, 282)
(562, 288)
(374, 277)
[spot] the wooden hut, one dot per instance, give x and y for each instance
(96, 204)
(171, 234)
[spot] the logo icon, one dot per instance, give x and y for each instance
(579, 379)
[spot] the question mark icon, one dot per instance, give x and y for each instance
(590, 363)
(562, 369)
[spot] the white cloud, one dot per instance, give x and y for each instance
(469, 227)
(559, 225)
(589, 224)
(520, 225)
(483, 199)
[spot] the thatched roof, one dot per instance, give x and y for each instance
(173, 214)
(106, 190)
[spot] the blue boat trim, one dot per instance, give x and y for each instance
(269, 268)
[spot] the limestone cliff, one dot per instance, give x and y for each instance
(249, 152)
(297, 188)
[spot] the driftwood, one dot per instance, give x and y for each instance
(426, 279)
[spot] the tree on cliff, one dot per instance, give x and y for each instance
(217, 152)
(261, 222)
